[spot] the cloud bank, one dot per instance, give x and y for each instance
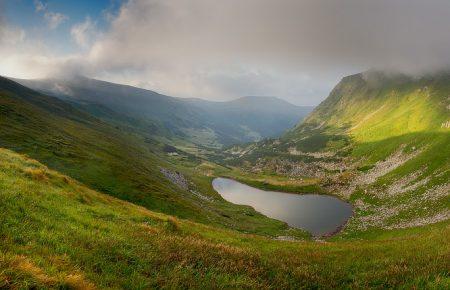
(295, 49)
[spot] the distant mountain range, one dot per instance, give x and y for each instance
(204, 123)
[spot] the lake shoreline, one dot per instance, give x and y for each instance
(284, 189)
(312, 212)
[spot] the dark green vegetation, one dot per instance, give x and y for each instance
(56, 233)
(115, 161)
(176, 120)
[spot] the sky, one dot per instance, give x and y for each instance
(297, 50)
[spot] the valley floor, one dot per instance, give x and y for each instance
(400, 182)
(57, 233)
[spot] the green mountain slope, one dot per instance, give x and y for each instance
(379, 140)
(201, 122)
(56, 233)
(79, 145)
(117, 162)
(374, 106)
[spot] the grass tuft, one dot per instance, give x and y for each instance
(36, 174)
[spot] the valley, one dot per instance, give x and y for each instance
(57, 233)
(193, 123)
(376, 141)
(114, 160)
(192, 144)
(137, 194)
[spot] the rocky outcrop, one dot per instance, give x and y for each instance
(383, 167)
(408, 183)
(176, 178)
(317, 155)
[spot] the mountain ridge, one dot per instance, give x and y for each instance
(205, 123)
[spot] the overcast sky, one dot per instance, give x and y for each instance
(218, 50)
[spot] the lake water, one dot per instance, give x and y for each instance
(317, 214)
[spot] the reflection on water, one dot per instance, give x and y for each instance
(318, 214)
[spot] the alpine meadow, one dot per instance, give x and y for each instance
(193, 144)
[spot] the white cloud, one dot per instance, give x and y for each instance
(84, 33)
(10, 36)
(296, 49)
(25, 57)
(53, 19)
(39, 6)
(179, 46)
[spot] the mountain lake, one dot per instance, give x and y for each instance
(318, 214)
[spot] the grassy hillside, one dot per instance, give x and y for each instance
(381, 141)
(373, 106)
(201, 122)
(81, 146)
(116, 161)
(56, 233)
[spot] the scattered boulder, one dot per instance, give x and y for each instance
(176, 178)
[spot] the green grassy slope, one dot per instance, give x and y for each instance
(372, 106)
(377, 114)
(114, 161)
(83, 147)
(56, 233)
